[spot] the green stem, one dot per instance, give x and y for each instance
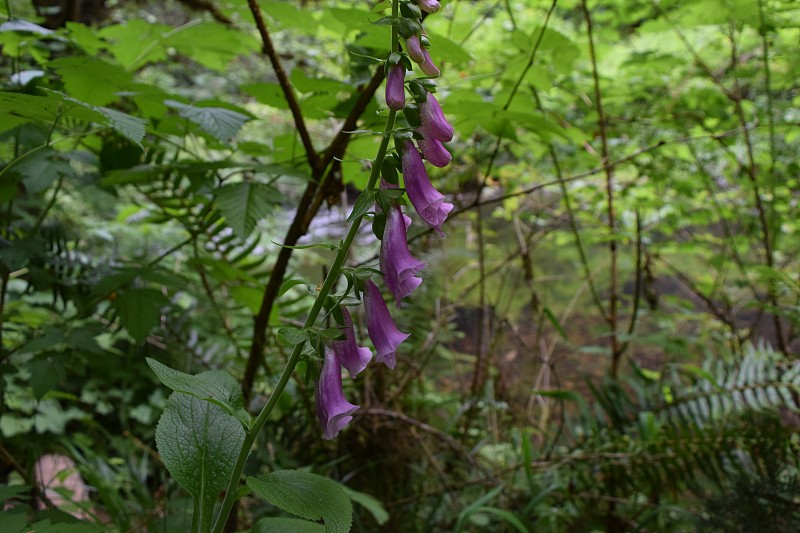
(258, 423)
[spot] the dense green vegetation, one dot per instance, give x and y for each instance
(605, 340)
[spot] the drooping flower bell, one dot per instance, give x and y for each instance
(414, 49)
(397, 264)
(395, 93)
(433, 122)
(427, 201)
(333, 410)
(429, 6)
(427, 66)
(381, 328)
(352, 356)
(435, 152)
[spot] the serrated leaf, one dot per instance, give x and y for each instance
(308, 496)
(244, 204)
(140, 311)
(41, 168)
(291, 336)
(46, 373)
(214, 386)
(198, 442)
(287, 525)
(92, 80)
(222, 124)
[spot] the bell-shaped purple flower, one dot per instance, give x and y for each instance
(352, 356)
(333, 410)
(427, 66)
(435, 152)
(429, 6)
(414, 49)
(395, 92)
(433, 122)
(427, 201)
(382, 329)
(397, 264)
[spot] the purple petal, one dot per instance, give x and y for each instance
(434, 124)
(427, 201)
(333, 410)
(427, 66)
(395, 92)
(429, 6)
(382, 330)
(397, 264)
(414, 49)
(435, 152)
(353, 357)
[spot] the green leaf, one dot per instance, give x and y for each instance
(41, 168)
(18, 108)
(222, 124)
(363, 204)
(140, 311)
(198, 442)
(47, 372)
(287, 525)
(13, 491)
(243, 204)
(369, 503)
(270, 94)
(212, 45)
(556, 324)
(214, 386)
(291, 336)
(447, 50)
(288, 284)
(92, 80)
(308, 496)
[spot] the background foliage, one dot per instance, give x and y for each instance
(605, 340)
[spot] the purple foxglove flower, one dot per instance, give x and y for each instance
(427, 66)
(382, 329)
(414, 49)
(333, 410)
(352, 356)
(395, 92)
(427, 201)
(434, 124)
(397, 264)
(429, 6)
(435, 152)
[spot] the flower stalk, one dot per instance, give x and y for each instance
(327, 285)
